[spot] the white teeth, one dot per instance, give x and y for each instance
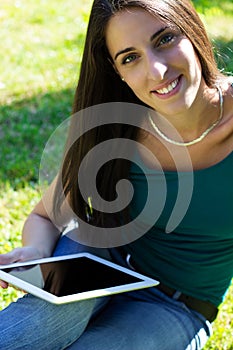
(169, 88)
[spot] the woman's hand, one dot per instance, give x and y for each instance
(17, 255)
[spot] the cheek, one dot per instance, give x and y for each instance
(190, 56)
(136, 81)
(198, 65)
(195, 70)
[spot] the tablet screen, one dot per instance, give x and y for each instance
(72, 276)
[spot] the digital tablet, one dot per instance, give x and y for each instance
(73, 277)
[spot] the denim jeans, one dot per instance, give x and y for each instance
(139, 320)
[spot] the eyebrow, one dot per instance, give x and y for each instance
(153, 36)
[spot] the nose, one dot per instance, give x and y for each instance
(156, 66)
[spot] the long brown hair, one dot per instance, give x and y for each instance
(99, 83)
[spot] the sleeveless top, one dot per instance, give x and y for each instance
(195, 253)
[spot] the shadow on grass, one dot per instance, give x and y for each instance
(25, 127)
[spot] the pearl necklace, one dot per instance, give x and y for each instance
(198, 139)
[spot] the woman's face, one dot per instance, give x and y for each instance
(156, 61)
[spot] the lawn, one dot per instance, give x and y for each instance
(41, 46)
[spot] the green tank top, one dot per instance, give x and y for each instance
(196, 257)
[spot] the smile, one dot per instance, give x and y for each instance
(169, 88)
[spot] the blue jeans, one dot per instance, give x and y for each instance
(139, 320)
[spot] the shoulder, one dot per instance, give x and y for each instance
(227, 90)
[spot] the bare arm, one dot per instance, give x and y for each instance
(40, 229)
(40, 232)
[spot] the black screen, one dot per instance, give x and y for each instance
(75, 275)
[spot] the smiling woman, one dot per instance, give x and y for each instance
(159, 65)
(153, 55)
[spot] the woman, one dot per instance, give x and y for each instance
(156, 55)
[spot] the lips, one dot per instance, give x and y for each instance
(168, 88)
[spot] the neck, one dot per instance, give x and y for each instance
(194, 120)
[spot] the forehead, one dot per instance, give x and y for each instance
(131, 26)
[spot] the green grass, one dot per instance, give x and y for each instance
(41, 46)
(217, 16)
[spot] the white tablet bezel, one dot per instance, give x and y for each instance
(145, 282)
